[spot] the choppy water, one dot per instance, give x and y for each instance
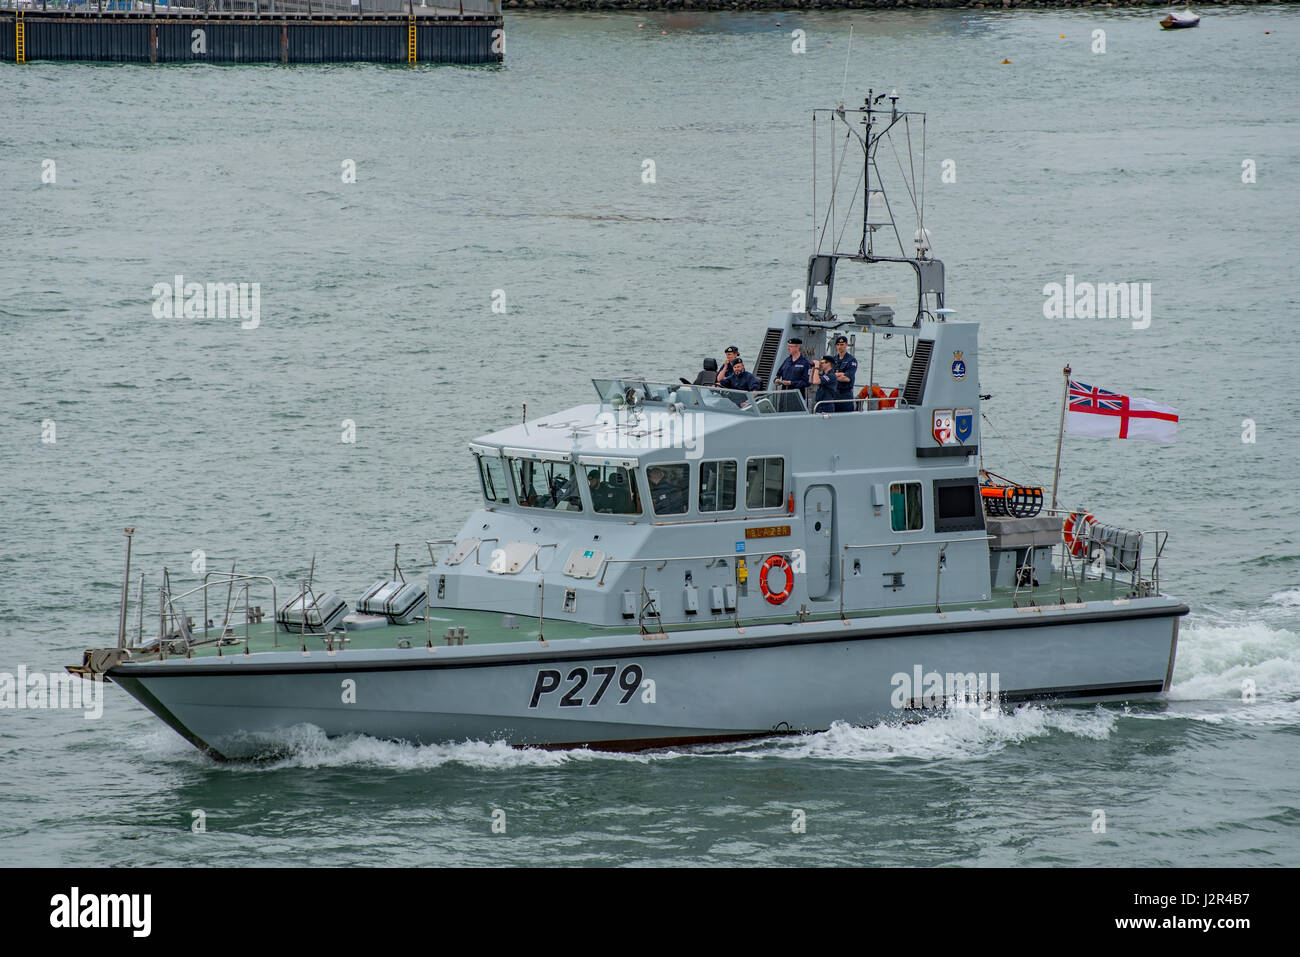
(375, 307)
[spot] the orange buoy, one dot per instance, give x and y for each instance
(1077, 528)
(776, 597)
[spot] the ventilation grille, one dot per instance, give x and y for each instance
(767, 356)
(915, 388)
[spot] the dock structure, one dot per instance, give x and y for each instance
(252, 31)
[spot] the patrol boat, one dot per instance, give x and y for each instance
(675, 564)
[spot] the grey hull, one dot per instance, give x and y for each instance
(638, 691)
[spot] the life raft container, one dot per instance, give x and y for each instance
(1017, 501)
(776, 561)
(1077, 529)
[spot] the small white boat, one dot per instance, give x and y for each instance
(1179, 20)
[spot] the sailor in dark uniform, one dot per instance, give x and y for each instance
(730, 358)
(846, 370)
(827, 386)
(602, 496)
(740, 379)
(666, 497)
(795, 373)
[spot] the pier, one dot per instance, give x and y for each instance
(252, 31)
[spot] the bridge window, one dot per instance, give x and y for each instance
(905, 507)
(717, 486)
(669, 488)
(613, 490)
(765, 483)
(492, 473)
(546, 485)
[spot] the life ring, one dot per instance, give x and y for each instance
(776, 561)
(883, 399)
(1077, 528)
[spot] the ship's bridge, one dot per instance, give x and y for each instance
(630, 447)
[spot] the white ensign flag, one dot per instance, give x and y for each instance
(1109, 415)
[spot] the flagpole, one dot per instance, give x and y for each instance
(1060, 436)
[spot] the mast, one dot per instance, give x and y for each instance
(864, 128)
(866, 179)
(1060, 436)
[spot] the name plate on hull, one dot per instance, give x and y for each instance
(768, 531)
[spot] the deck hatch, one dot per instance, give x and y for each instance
(512, 558)
(464, 548)
(584, 563)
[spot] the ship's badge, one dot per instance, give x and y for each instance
(958, 366)
(963, 422)
(943, 427)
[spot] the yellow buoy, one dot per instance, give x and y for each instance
(1006, 61)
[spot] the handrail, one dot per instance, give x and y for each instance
(773, 551)
(480, 545)
(430, 542)
(663, 562)
(898, 400)
(924, 541)
(169, 603)
(695, 395)
(229, 579)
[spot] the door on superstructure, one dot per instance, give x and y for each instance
(819, 521)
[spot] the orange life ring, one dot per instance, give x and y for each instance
(884, 400)
(1076, 531)
(776, 561)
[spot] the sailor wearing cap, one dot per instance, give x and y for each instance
(731, 357)
(827, 386)
(740, 378)
(846, 370)
(796, 371)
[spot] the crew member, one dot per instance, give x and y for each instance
(796, 371)
(827, 386)
(731, 358)
(602, 496)
(666, 497)
(740, 379)
(846, 370)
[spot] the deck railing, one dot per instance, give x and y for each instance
(649, 394)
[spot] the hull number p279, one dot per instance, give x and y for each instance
(549, 680)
